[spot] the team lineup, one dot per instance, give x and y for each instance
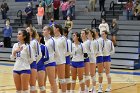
(51, 54)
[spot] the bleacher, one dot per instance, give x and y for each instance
(127, 52)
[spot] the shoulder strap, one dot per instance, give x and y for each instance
(82, 48)
(53, 43)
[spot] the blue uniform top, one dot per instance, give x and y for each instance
(7, 31)
(45, 55)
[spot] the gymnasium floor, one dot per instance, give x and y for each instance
(123, 81)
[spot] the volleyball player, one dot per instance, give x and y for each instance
(68, 60)
(51, 63)
(92, 57)
(40, 64)
(60, 55)
(37, 52)
(78, 54)
(107, 51)
(99, 61)
(86, 44)
(23, 54)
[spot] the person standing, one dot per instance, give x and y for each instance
(92, 4)
(86, 44)
(60, 55)
(7, 34)
(129, 9)
(114, 29)
(103, 26)
(23, 54)
(29, 14)
(49, 9)
(64, 8)
(102, 5)
(4, 9)
(77, 64)
(37, 53)
(40, 14)
(51, 64)
(56, 5)
(107, 51)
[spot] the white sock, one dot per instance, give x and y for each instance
(109, 85)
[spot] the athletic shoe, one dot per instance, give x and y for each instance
(108, 89)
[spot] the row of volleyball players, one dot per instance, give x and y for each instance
(33, 59)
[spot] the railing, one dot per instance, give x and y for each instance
(112, 4)
(93, 25)
(103, 14)
(19, 14)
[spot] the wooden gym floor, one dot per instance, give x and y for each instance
(123, 81)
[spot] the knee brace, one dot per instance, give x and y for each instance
(42, 88)
(26, 91)
(62, 81)
(87, 78)
(100, 74)
(94, 79)
(32, 88)
(68, 80)
(108, 76)
(81, 81)
(73, 81)
(18, 91)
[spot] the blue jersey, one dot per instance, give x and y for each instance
(45, 55)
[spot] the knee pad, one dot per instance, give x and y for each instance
(81, 81)
(42, 88)
(73, 81)
(100, 74)
(87, 78)
(108, 76)
(18, 91)
(68, 80)
(26, 91)
(32, 88)
(94, 79)
(62, 81)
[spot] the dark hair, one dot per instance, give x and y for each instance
(92, 33)
(59, 27)
(78, 35)
(27, 36)
(42, 38)
(65, 30)
(105, 32)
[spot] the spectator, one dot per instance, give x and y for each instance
(40, 14)
(56, 5)
(29, 14)
(49, 9)
(102, 5)
(52, 22)
(114, 28)
(72, 8)
(92, 4)
(64, 7)
(129, 8)
(136, 11)
(69, 23)
(4, 9)
(103, 26)
(69, 26)
(7, 34)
